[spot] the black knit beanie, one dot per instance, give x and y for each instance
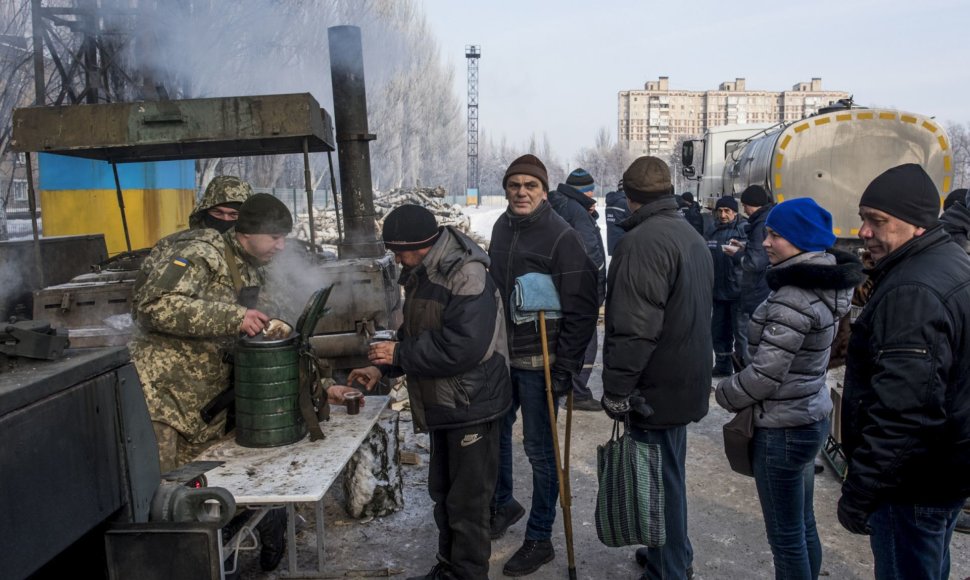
(905, 192)
(409, 227)
(264, 214)
(755, 196)
(728, 202)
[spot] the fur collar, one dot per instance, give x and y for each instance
(844, 274)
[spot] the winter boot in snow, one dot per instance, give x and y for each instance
(529, 558)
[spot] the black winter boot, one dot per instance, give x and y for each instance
(529, 558)
(272, 538)
(503, 518)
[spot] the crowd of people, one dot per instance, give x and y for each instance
(756, 288)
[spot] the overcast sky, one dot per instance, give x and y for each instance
(555, 67)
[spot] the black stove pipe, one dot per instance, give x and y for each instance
(353, 152)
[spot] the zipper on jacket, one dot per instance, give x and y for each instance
(917, 351)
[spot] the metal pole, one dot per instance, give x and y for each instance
(309, 193)
(353, 149)
(121, 206)
(38, 32)
(333, 191)
(32, 203)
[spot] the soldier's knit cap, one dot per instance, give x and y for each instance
(687, 196)
(528, 165)
(755, 196)
(264, 214)
(905, 192)
(581, 180)
(409, 227)
(804, 223)
(647, 179)
(728, 202)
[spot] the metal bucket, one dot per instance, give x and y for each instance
(267, 374)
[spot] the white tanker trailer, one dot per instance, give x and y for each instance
(832, 157)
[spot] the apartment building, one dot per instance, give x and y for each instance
(653, 120)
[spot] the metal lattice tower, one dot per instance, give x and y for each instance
(473, 52)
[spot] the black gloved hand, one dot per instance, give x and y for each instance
(562, 382)
(639, 406)
(852, 517)
(617, 407)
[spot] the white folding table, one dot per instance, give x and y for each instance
(302, 472)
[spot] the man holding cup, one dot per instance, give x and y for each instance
(452, 347)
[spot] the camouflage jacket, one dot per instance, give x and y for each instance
(186, 317)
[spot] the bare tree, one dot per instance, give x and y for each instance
(960, 143)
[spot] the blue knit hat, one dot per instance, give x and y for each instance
(580, 180)
(804, 223)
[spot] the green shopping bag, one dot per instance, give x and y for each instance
(630, 500)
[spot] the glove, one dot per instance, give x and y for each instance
(853, 518)
(277, 329)
(562, 383)
(619, 407)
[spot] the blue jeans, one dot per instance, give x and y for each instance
(913, 541)
(529, 394)
(784, 473)
(670, 562)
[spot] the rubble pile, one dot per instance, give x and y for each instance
(325, 221)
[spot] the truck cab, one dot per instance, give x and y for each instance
(703, 159)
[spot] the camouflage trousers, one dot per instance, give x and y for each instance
(174, 450)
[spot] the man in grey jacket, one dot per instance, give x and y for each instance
(453, 348)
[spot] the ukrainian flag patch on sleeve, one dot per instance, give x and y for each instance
(173, 273)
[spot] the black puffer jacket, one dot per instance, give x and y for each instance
(906, 406)
(754, 262)
(543, 242)
(452, 340)
(573, 206)
(727, 269)
(658, 317)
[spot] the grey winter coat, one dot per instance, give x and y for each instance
(452, 345)
(790, 338)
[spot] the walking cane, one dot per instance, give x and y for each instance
(562, 466)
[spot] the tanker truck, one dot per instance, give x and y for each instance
(830, 157)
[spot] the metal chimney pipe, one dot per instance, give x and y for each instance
(353, 152)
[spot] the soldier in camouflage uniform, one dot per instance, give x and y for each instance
(217, 209)
(188, 314)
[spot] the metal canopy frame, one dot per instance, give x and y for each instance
(178, 130)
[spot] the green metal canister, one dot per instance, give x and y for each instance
(267, 375)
